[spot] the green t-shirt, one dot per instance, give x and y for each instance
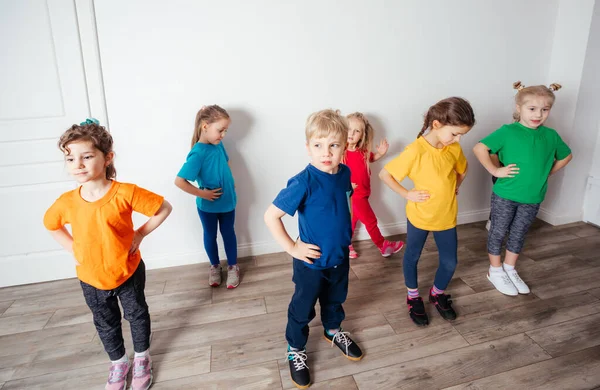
(534, 151)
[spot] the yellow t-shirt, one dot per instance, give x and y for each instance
(103, 231)
(433, 170)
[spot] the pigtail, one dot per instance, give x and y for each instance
(518, 85)
(426, 122)
(555, 86)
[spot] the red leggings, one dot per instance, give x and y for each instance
(362, 211)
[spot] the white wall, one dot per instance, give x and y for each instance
(151, 64)
(272, 63)
(574, 64)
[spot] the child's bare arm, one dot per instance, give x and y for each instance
(151, 224)
(485, 158)
(382, 149)
(186, 186)
(412, 195)
(560, 164)
(296, 249)
(63, 237)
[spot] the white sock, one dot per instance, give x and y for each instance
(508, 267)
(495, 269)
(141, 354)
(123, 359)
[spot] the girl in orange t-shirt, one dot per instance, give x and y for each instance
(105, 246)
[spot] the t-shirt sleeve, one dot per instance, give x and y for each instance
(495, 141)
(145, 202)
(461, 162)
(224, 151)
(291, 198)
(191, 168)
(55, 217)
(562, 149)
(400, 166)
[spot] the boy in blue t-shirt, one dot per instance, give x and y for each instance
(321, 195)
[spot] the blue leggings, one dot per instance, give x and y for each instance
(447, 243)
(225, 222)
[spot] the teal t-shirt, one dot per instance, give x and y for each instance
(207, 165)
(534, 151)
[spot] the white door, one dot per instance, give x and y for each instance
(591, 204)
(42, 93)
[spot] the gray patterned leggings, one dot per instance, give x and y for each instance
(509, 217)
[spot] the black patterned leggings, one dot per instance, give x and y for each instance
(509, 217)
(107, 316)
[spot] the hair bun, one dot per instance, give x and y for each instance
(518, 85)
(555, 86)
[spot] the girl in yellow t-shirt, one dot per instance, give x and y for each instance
(437, 166)
(105, 246)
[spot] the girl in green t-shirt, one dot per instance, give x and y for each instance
(531, 153)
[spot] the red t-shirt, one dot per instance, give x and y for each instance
(360, 175)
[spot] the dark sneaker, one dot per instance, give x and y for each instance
(416, 310)
(298, 368)
(343, 341)
(443, 304)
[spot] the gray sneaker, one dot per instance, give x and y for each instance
(233, 276)
(214, 279)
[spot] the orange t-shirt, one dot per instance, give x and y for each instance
(103, 231)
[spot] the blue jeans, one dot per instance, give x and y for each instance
(225, 221)
(328, 286)
(447, 244)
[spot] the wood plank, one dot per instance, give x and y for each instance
(24, 323)
(229, 354)
(179, 318)
(570, 336)
(261, 376)
(181, 363)
(39, 289)
(344, 383)
(594, 292)
(92, 377)
(535, 314)
(473, 305)
(331, 364)
(35, 341)
(5, 305)
(456, 366)
(570, 283)
(576, 371)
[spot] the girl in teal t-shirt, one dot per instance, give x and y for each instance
(208, 165)
(531, 152)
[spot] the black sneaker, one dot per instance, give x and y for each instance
(443, 304)
(298, 368)
(416, 310)
(349, 348)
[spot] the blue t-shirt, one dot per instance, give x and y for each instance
(207, 165)
(323, 204)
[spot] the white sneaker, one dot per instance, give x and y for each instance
(502, 282)
(516, 280)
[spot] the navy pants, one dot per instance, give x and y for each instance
(225, 222)
(447, 244)
(329, 286)
(107, 316)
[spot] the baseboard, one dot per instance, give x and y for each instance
(555, 220)
(45, 263)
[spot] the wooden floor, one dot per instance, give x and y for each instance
(207, 338)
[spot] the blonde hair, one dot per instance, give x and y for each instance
(207, 115)
(536, 90)
(325, 123)
(365, 144)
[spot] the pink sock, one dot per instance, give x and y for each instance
(436, 291)
(412, 294)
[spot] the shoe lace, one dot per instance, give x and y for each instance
(506, 279)
(214, 271)
(117, 373)
(342, 338)
(298, 358)
(516, 276)
(139, 367)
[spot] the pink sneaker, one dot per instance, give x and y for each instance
(117, 376)
(390, 247)
(353, 254)
(142, 373)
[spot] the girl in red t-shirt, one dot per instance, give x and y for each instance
(357, 157)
